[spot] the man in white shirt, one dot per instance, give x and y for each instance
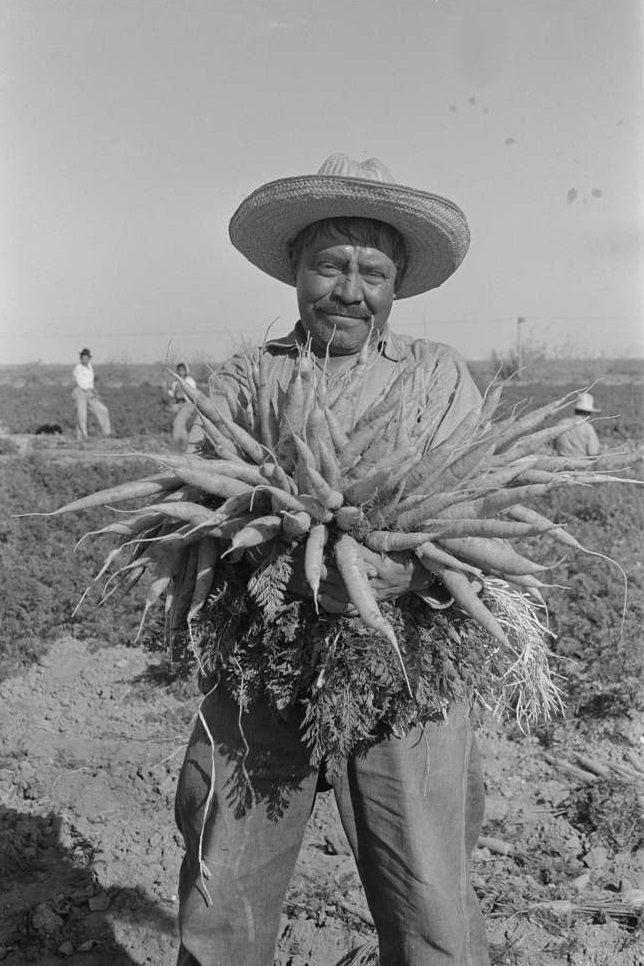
(85, 398)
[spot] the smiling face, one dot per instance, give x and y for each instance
(345, 289)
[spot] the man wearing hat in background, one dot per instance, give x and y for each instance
(351, 241)
(85, 397)
(580, 440)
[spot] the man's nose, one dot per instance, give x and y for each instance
(349, 287)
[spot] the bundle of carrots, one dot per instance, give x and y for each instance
(311, 475)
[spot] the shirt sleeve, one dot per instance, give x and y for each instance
(443, 387)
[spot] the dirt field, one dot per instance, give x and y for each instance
(92, 733)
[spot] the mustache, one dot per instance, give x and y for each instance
(345, 311)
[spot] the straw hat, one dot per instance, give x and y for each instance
(434, 229)
(585, 403)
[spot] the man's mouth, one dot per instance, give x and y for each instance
(345, 316)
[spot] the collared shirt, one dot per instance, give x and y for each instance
(84, 376)
(580, 440)
(439, 378)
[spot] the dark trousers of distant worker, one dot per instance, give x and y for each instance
(411, 808)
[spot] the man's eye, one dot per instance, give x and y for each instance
(329, 268)
(374, 273)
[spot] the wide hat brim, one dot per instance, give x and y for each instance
(434, 229)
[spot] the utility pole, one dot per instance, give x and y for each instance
(520, 324)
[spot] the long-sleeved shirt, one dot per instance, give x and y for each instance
(580, 440)
(441, 381)
(83, 376)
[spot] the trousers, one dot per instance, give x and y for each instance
(86, 399)
(183, 416)
(411, 808)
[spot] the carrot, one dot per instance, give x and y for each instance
(180, 592)
(338, 436)
(193, 513)
(326, 495)
(167, 561)
(315, 508)
(388, 541)
(207, 556)
(259, 530)
(149, 486)
(490, 554)
(286, 501)
(361, 491)
(493, 503)
(227, 529)
(359, 440)
(293, 407)
(243, 439)
(277, 476)
(554, 464)
(212, 483)
(516, 428)
(503, 529)
(313, 433)
(526, 515)
(531, 443)
(432, 557)
(266, 428)
(528, 477)
(349, 517)
(438, 456)
(295, 525)
(456, 472)
(469, 601)
(236, 469)
(223, 446)
(351, 568)
(329, 466)
(313, 557)
(433, 506)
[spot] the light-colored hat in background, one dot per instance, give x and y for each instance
(434, 230)
(585, 403)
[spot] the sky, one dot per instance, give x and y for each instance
(132, 129)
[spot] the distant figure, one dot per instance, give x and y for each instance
(580, 440)
(85, 398)
(182, 408)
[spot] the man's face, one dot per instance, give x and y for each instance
(343, 290)
(182, 371)
(84, 359)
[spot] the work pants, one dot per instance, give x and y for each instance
(411, 808)
(87, 399)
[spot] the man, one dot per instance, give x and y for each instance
(351, 241)
(580, 440)
(182, 409)
(85, 397)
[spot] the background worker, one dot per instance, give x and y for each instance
(84, 395)
(580, 440)
(182, 409)
(350, 240)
